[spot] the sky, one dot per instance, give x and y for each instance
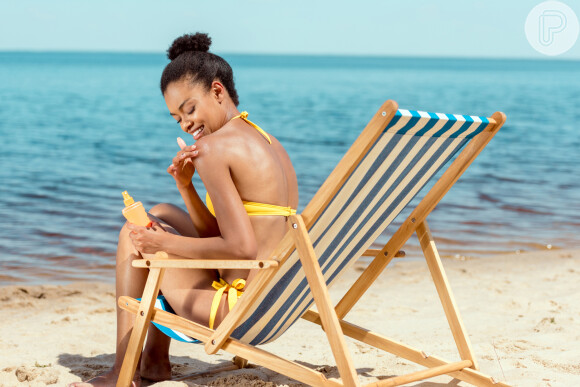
(444, 28)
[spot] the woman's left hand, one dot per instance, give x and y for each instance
(147, 240)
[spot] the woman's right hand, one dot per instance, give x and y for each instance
(182, 168)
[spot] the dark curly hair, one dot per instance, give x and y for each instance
(190, 57)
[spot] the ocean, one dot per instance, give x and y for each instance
(77, 129)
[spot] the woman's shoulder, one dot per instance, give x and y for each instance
(208, 147)
(236, 145)
(219, 145)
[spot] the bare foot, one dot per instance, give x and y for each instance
(106, 380)
(155, 370)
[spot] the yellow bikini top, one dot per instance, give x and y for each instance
(244, 116)
(255, 208)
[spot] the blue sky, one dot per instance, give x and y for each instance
(454, 28)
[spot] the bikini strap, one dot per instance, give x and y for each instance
(234, 291)
(244, 116)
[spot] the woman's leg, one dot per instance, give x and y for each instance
(130, 282)
(155, 359)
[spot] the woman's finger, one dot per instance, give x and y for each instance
(176, 160)
(188, 148)
(183, 145)
(183, 159)
(188, 151)
(135, 230)
(182, 163)
(189, 154)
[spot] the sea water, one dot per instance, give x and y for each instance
(77, 129)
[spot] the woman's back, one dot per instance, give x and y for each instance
(261, 172)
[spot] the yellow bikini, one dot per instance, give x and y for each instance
(244, 116)
(257, 209)
(235, 290)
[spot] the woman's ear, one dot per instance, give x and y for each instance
(218, 91)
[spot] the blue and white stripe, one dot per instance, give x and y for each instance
(410, 151)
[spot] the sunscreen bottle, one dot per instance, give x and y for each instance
(135, 212)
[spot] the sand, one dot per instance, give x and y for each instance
(522, 313)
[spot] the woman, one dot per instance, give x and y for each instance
(238, 164)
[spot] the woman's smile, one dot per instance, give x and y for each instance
(197, 133)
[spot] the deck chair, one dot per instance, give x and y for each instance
(392, 159)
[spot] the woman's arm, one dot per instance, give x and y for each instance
(203, 221)
(236, 239)
(182, 170)
(206, 248)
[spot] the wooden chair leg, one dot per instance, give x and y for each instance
(142, 320)
(240, 362)
(414, 355)
(321, 297)
(445, 294)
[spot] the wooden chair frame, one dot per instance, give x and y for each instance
(329, 317)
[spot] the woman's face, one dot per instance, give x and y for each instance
(198, 111)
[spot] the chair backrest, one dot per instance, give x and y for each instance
(413, 146)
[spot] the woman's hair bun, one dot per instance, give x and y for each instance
(188, 42)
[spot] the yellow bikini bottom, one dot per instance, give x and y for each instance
(234, 292)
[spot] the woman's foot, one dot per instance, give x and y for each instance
(106, 380)
(155, 369)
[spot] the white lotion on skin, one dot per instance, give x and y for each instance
(182, 145)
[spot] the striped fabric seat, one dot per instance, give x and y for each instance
(409, 152)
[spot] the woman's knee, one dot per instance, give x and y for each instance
(175, 217)
(125, 249)
(124, 234)
(163, 210)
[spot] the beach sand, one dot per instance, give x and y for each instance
(522, 313)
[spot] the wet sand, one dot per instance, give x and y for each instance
(521, 311)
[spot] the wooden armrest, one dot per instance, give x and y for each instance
(205, 263)
(166, 260)
(375, 252)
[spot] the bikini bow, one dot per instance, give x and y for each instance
(234, 292)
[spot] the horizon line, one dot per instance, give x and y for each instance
(311, 55)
